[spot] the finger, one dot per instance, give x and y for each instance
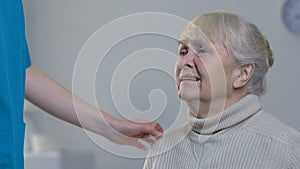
(156, 125)
(149, 140)
(136, 143)
(157, 131)
(151, 128)
(159, 128)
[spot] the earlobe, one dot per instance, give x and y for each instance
(244, 75)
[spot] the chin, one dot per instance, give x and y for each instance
(188, 96)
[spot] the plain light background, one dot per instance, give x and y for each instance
(58, 29)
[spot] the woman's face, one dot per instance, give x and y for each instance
(205, 73)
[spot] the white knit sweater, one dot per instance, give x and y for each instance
(241, 137)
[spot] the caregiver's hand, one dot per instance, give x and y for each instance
(129, 132)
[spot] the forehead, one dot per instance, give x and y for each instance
(193, 32)
(215, 27)
(195, 37)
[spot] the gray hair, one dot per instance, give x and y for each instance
(243, 40)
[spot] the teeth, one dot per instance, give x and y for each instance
(193, 79)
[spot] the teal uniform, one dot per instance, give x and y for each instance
(14, 59)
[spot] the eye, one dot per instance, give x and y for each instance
(183, 50)
(202, 50)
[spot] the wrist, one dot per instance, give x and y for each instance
(111, 124)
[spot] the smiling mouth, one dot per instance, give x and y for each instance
(191, 79)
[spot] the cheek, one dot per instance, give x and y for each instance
(177, 68)
(202, 67)
(177, 72)
(212, 72)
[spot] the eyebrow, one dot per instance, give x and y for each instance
(182, 42)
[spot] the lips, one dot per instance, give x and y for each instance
(189, 78)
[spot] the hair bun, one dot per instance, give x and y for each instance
(269, 53)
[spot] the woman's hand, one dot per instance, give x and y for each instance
(128, 133)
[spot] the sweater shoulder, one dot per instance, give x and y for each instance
(170, 140)
(267, 125)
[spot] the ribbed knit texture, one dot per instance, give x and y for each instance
(241, 137)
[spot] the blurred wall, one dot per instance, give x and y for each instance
(58, 29)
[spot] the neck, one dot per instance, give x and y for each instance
(205, 109)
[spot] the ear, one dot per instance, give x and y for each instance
(244, 74)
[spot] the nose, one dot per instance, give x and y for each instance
(187, 61)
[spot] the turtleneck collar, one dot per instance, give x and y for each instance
(229, 117)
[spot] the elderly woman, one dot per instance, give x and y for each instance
(220, 72)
